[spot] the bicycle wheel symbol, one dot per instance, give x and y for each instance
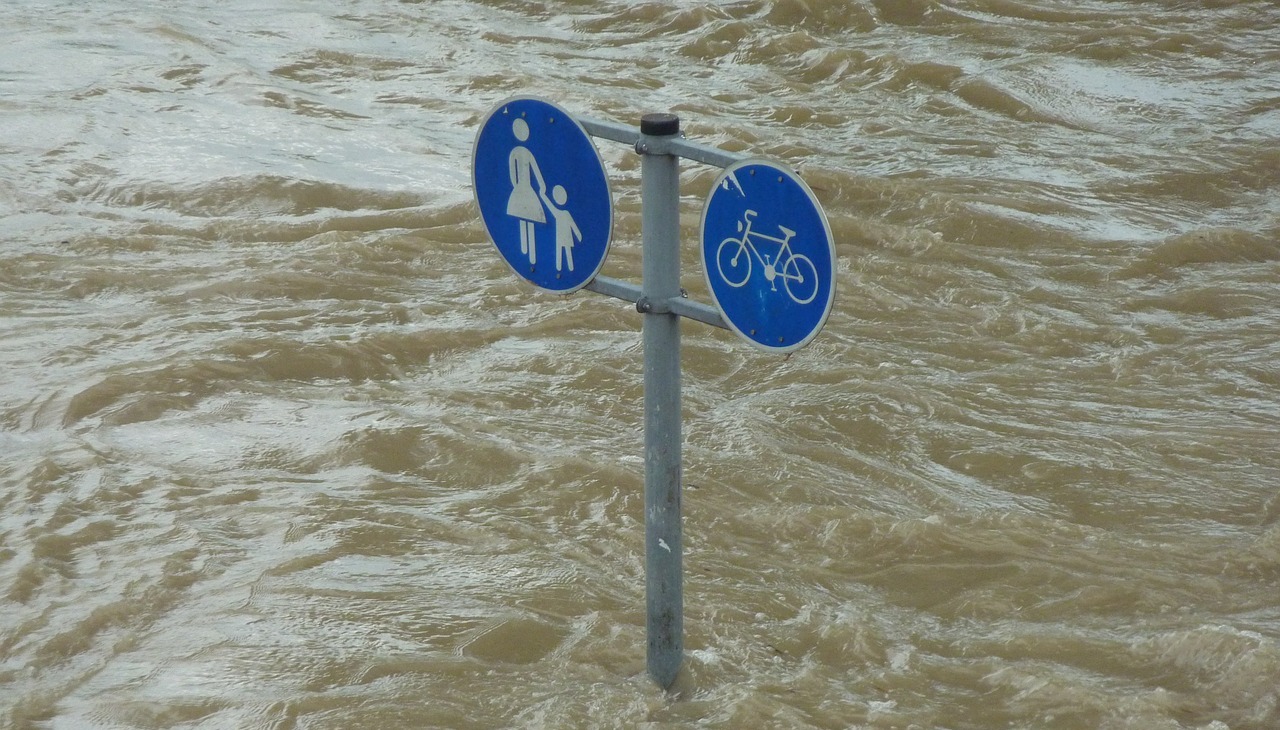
(800, 278)
(734, 261)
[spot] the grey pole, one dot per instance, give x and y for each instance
(660, 237)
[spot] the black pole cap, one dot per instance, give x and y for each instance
(660, 124)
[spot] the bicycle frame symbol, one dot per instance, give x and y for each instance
(733, 259)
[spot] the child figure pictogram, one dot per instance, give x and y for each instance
(567, 231)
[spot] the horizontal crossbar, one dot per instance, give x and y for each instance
(673, 145)
(629, 292)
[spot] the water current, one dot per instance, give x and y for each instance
(286, 444)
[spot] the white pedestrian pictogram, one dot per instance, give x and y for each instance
(526, 205)
(566, 229)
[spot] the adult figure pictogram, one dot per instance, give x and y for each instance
(525, 204)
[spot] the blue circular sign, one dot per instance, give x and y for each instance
(768, 255)
(542, 193)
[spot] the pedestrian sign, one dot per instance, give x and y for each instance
(768, 255)
(542, 193)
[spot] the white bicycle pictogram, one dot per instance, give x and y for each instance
(733, 258)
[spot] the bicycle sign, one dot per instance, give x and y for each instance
(762, 227)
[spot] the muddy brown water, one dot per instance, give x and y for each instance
(287, 446)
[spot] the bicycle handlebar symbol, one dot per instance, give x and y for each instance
(733, 259)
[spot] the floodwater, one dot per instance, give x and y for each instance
(286, 444)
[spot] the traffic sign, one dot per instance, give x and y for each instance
(768, 255)
(542, 193)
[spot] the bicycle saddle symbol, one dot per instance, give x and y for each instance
(734, 256)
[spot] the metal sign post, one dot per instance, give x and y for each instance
(660, 236)
(774, 224)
